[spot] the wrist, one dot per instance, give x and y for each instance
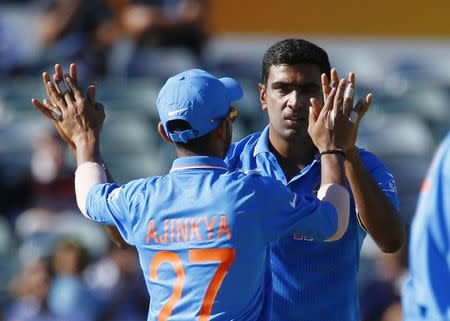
(324, 148)
(87, 139)
(87, 150)
(330, 152)
(352, 154)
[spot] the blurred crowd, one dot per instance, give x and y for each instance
(105, 37)
(54, 264)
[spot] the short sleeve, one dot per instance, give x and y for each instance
(382, 175)
(287, 212)
(116, 205)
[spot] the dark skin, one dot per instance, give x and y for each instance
(286, 97)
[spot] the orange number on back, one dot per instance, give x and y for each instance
(175, 261)
(224, 255)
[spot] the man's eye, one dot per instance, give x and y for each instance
(283, 90)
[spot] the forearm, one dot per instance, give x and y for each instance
(332, 169)
(377, 213)
(332, 190)
(88, 151)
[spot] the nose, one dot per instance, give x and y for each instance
(295, 100)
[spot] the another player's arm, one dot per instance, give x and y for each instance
(88, 150)
(85, 147)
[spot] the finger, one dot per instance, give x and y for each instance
(316, 107)
(325, 86)
(101, 109)
(334, 78)
(91, 94)
(42, 108)
(74, 88)
(329, 102)
(324, 115)
(73, 73)
(360, 109)
(45, 80)
(63, 87)
(70, 100)
(312, 119)
(55, 96)
(365, 106)
(59, 73)
(339, 97)
(349, 97)
(352, 78)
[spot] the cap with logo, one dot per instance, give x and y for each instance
(198, 98)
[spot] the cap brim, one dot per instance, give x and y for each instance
(235, 91)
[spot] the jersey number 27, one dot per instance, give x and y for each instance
(223, 255)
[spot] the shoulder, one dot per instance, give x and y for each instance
(250, 179)
(242, 149)
(371, 160)
(245, 144)
(142, 185)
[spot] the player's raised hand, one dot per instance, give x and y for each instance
(344, 104)
(73, 115)
(50, 110)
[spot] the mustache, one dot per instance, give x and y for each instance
(295, 115)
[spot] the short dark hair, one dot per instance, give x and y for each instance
(293, 52)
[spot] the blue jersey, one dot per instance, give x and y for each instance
(426, 295)
(311, 280)
(202, 234)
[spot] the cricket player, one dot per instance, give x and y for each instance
(313, 280)
(426, 295)
(202, 232)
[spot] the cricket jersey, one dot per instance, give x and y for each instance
(312, 280)
(426, 295)
(202, 234)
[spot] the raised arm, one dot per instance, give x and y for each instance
(376, 212)
(328, 128)
(79, 120)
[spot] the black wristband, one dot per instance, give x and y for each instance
(333, 151)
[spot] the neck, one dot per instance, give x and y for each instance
(182, 152)
(297, 151)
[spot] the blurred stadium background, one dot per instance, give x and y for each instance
(399, 50)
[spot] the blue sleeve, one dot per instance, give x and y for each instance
(116, 205)
(385, 180)
(287, 212)
(382, 176)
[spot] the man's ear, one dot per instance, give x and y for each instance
(163, 133)
(262, 96)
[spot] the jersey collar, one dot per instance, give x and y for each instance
(262, 145)
(198, 162)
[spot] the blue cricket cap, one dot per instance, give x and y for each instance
(198, 98)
